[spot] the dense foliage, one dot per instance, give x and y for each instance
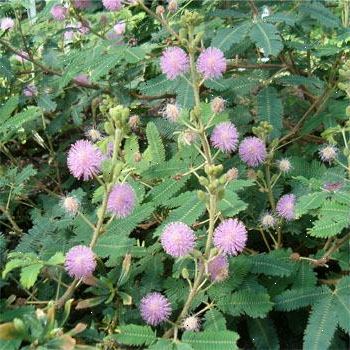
(175, 174)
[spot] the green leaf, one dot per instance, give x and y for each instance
(29, 275)
(321, 326)
(305, 276)
(335, 210)
(5, 68)
(187, 213)
(263, 334)
(326, 227)
(162, 344)
(157, 86)
(342, 311)
(168, 188)
(249, 302)
(155, 144)
(270, 109)
(214, 320)
(317, 11)
(288, 19)
(135, 335)
(227, 37)
(57, 259)
(8, 107)
(276, 263)
(266, 36)
(308, 202)
(219, 340)
(218, 84)
(46, 103)
(231, 204)
(184, 93)
(301, 297)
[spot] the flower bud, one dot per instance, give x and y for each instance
(232, 174)
(171, 112)
(172, 6)
(218, 105)
(191, 323)
(71, 205)
(160, 10)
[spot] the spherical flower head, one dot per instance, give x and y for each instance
(225, 137)
(83, 28)
(191, 323)
(284, 165)
(121, 200)
(230, 236)
(71, 205)
(119, 28)
(267, 220)
(171, 112)
(211, 63)
(178, 239)
(80, 262)
(84, 160)
(155, 308)
(252, 151)
(328, 153)
(93, 134)
(82, 4)
(7, 23)
(217, 105)
(69, 32)
(174, 62)
(285, 206)
(30, 90)
(112, 5)
(218, 268)
(59, 12)
(189, 137)
(82, 79)
(160, 10)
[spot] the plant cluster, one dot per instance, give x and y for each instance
(175, 175)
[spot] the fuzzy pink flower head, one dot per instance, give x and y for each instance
(155, 308)
(174, 62)
(7, 23)
(211, 63)
(112, 5)
(225, 137)
(121, 200)
(285, 207)
(284, 165)
(218, 268)
(84, 160)
(252, 151)
(83, 28)
(80, 262)
(59, 12)
(217, 105)
(328, 153)
(82, 79)
(30, 90)
(178, 239)
(69, 32)
(119, 28)
(230, 236)
(81, 4)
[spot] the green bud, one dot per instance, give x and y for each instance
(109, 129)
(202, 196)
(19, 325)
(223, 179)
(203, 181)
(185, 273)
(183, 34)
(217, 169)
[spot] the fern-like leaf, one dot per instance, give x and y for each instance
(135, 335)
(155, 144)
(263, 334)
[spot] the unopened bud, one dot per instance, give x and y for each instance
(171, 112)
(232, 174)
(172, 6)
(218, 105)
(160, 10)
(71, 205)
(191, 323)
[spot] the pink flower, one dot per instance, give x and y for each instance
(218, 268)
(178, 239)
(82, 4)
(119, 28)
(333, 186)
(30, 90)
(59, 12)
(155, 308)
(80, 262)
(211, 63)
(84, 160)
(7, 23)
(225, 137)
(112, 5)
(252, 151)
(23, 57)
(174, 62)
(69, 32)
(285, 206)
(284, 165)
(121, 200)
(83, 28)
(230, 236)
